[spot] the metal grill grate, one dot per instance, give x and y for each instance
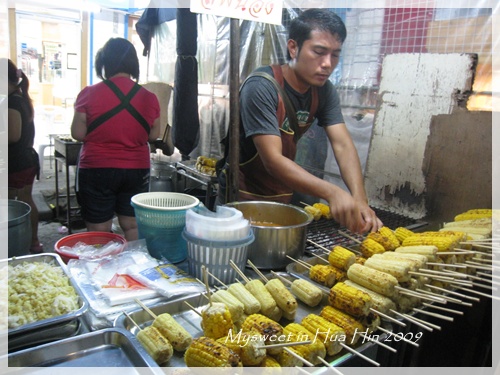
(326, 232)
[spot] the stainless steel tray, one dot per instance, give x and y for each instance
(110, 347)
(190, 320)
(42, 325)
(189, 167)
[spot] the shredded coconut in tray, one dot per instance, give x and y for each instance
(38, 291)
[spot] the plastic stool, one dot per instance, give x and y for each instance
(41, 151)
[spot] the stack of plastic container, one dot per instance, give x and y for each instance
(215, 238)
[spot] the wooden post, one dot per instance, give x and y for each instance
(234, 109)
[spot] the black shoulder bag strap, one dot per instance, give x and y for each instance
(125, 104)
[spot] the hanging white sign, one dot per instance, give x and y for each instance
(267, 11)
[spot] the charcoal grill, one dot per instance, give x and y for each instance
(325, 232)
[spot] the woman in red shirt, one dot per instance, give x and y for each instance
(115, 119)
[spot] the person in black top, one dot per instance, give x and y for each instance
(23, 159)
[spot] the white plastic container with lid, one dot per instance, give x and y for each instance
(226, 224)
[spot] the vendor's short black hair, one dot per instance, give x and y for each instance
(118, 55)
(315, 19)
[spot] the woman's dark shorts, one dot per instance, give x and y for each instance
(102, 192)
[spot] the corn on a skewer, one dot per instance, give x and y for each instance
(310, 352)
(486, 222)
(360, 259)
(251, 305)
(379, 302)
(341, 258)
(324, 209)
(248, 346)
(158, 347)
(264, 326)
(393, 267)
(401, 233)
(204, 160)
(216, 320)
(469, 230)
(173, 331)
(206, 352)
(330, 334)
(305, 291)
(414, 261)
(474, 214)
(428, 250)
(349, 299)
(276, 314)
(287, 359)
(323, 274)
(259, 291)
(284, 298)
(235, 307)
(269, 362)
(381, 239)
(443, 243)
(369, 247)
(348, 323)
(375, 280)
(391, 236)
(314, 212)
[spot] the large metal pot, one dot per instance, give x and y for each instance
(279, 229)
(19, 228)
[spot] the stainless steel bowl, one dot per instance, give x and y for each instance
(279, 229)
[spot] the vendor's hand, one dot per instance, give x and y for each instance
(346, 211)
(372, 222)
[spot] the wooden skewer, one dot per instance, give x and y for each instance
(205, 280)
(301, 262)
(447, 298)
(283, 279)
(257, 271)
(284, 344)
(238, 271)
(444, 273)
(355, 352)
(441, 278)
(303, 360)
(452, 292)
(428, 323)
(479, 293)
(439, 316)
(421, 296)
(365, 337)
(348, 236)
(132, 320)
(319, 246)
(488, 275)
(388, 317)
(216, 279)
(443, 308)
(321, 258)
(481, 266)
(192, 308)
(147, 309)
(410, 319)
(451, 265)
(489, 261)
(481, 285)
(402, 337)
(327, 364)
(444, 253)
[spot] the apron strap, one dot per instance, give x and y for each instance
(125, 104)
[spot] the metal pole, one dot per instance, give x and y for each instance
(234, 109)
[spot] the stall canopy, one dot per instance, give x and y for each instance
(152, 17)
(186, 122)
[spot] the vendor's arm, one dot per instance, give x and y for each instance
(345, 209)
(15, 125)
(154, 133)
(350, 169)
(79, 126)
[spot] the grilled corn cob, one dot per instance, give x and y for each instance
(310, 352)
(206, 352)
(313, 211)
(348, 323)
(216, 320)
(323, 274)
(248, 346)
(393, 267)
(371, 322)
(266, 327)
(414, 261)
(360, 259)
(283, 297)
(349, 299)
(173, 331)
(269, 362)
(341, 258)
(379, 302)
(428, 250)
(369, 247)
(485, 222)
(469, 230)
(233, 304)
(330, 334)
(251, 305)
(288, 316)
(204, 160)
(276, 314)
(474, 214)
(375, 280)
(305, 291)
(155, 344)
(443, 243)
(401, 233)
(325, 210)
(381, 239)
(259, 291)
(391, 236)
